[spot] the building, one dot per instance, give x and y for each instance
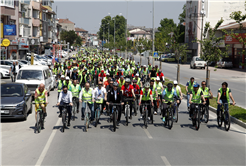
(82, 33)
(198, 12)
(10, 15)
(66, 24)
(137, 32)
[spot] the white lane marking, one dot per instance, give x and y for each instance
(148, 134)
(46, 148)
(166, 162)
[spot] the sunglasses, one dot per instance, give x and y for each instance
(110, 83)
(99, 84)
(203, 84)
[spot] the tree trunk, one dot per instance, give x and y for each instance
(208, 77)
(178, 73)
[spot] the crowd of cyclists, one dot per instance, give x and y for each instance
(102, 78)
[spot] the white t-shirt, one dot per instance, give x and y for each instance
(177, 87)
(98, 92)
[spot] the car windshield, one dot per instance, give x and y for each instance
(226, 60)
(199, 59)
(11, 90)
(30, 75)
(24, 62)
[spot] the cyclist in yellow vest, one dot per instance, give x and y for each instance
(86, 94)
(188, 88)
(196, 96)
(206, 92)
(75, 89)
(154, 94)
(41, 97)
(179, 93)
(167, 96)
(59, 85)
(139, 82)
(146, 96)
(224, 95)
(67, 82)
(160, 89)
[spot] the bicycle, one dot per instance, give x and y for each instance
(176, 114)
(127, 109)
(224, 116)
(115, 114)
(64, 115)
(74, 108)
(196, 115)
(136, 106)
(146, 113)
(169, 116)
(205, 112)
(87, 116)
(98, 112)
(40, 118)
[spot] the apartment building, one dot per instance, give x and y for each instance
(82, 33)
(198, 12)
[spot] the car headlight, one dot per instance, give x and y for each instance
(7, 72)
(20, 104)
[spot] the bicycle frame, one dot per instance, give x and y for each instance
(74, 108)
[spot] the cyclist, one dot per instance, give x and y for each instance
(196, 95)
(68, 72)
(101, 76)
(136, 91)
(100, 93)
(65, 98)
(145, 71)
(154, 95)
(177, 88)
(83, 79)
(41, 97)
(146, 97)
(59, 85)
(167, 96)
(74, 75)
(128, 91)
(188, 89)
(121, 81)
(159, 88)
(114, 95)
(86, 94)
(160, 75)
(139, 82)
(152, 73)
(67, 82)
(223, 96)
(75, 89)
(206, 91)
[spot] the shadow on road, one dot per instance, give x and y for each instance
(110, 127)
(138, 124)
(11, 120)
(188, 126)
(80, 127)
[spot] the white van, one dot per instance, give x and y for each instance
(33, 76)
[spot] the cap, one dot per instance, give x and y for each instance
(175, 82)
(137, 75)
(62, 76)
(196, 85)
(67, 78)
(144, 65)
(128, 80)
(157, 78)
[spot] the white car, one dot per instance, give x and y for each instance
(36, 61)
(197, 62)
(225, 62)
(4, 73)
(54, 81)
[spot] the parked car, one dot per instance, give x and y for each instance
(37, 61)
(24, 61)
(33, 76)
(54, 81)
(225, 62)
(16, 101)
(6, 64)
(197, 62)
(4, 73)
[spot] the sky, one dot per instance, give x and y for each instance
(88, 14)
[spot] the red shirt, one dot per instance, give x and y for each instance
(136, 89)
(101, 76)
(161, 75)
(119, 73)
(150, 93)
(127, 91)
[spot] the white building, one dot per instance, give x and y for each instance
(198, 11)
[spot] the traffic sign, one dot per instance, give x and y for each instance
(155, 55)
(32, 41)
(6, 42)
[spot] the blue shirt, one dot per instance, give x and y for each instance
(164, 93)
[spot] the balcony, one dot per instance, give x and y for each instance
(47, 3)
(36, 5)
(50, 23)
(25, 1)
(24, 21)
(35, 22)
(24, 31)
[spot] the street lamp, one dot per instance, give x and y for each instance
(153, 26)
(114, 34)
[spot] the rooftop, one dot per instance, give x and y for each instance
(65, 21)
(80, 30)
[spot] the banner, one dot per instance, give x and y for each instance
(9, 30)
(1, 31)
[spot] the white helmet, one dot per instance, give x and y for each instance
(175, 82)
(67, 78)
(157, 78)
(62, 76)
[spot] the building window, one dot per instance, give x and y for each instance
(35, 14)
(195, 10)
(44, 17)
(8, 3)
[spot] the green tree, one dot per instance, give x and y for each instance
(78, 41)
(210, 45)
(69, 36)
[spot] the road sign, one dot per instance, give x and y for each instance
(155, 55)
(32, 41)
(6, 42)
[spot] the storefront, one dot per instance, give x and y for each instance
(236, 51)
(3, 53)
(23, 47)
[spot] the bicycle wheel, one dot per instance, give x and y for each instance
(146, 118)
(42, 120)
(114, 120)
(197, 119)
(176, 114)
(38, 127)
(219, 118)
(127, 112)
(97, 116)
(206, 114)
(170, 118)
(86, 123)
(227, 121)
(151, 116)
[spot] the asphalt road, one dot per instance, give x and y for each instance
(129, 145)
(235, 79)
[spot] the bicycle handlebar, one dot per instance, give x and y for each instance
(129, 99)
(115, 104)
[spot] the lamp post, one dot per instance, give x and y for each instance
(114, 34)
(153, 38)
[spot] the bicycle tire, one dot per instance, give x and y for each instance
(135, 109)
(206, 115)
(197, 119)
(227, 123)
(219, 118)
(170, 119)
(63, 127)
(86, 123)
(146, 118)
(38, 122)
(63, 120)
(177, 114)
(127, 116)
(114, 120)
(42, 120)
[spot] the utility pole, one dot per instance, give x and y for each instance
(153, 38)
(126, 56)
(114, 35)
(103, 39)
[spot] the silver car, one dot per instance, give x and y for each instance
(225, 63)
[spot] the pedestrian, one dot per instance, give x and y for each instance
(13, 70)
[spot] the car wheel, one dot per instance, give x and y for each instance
(190, 67)
(30, 111)
(1, 75)
(25, 113)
